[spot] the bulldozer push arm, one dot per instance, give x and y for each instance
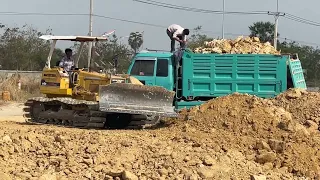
(136, 99)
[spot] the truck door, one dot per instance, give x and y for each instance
(162, 74)
(143, 70)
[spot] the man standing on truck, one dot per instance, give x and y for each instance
(177, 33)
(67, 62)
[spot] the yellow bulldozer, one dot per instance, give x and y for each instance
(89, 99)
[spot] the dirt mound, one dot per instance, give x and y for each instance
(238, 113)
(242, 114)
(40, 152)
(304, 106)
(262, 128)
(240, 45)
(232, 137)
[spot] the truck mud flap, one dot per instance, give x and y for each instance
(137, 99)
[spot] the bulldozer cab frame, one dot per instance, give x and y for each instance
(81, 39)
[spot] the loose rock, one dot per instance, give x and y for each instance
(127, 175)
(206, 173)
(7, 139)
(277, 146)
(266, 157)
(258, 177)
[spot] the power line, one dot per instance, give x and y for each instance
(130, 21)
(161, 26)
(141, 23)
(101, 16)
(52, 14)
(286, 15)
(80, 14)
(275, 14)
(112, 18)
(298, 41)
(301, 20)
(184, 8)
(83, 14)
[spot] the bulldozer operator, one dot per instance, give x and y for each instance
(67, 62)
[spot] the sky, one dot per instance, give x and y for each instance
(156, 37)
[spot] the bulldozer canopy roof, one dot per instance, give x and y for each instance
(74, 38)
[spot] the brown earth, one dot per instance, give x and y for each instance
(10, 111)
(231, 137)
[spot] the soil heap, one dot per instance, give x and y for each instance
(233, 137)
(282, 132)
(241, 45)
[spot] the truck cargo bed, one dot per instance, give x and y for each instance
(212, 75)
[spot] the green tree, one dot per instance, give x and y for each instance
(105, 54)
(22, 49)
(309, 57)
(135, 41)
(263, 30)
(197, 39)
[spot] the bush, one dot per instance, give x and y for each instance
(30, 87)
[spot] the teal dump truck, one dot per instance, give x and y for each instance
(196, 78)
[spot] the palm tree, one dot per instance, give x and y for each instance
(135, 41)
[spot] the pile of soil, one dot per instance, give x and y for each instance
(47, 152)
(232, 137)
(282, 132)
(240, 45)
(304, 106)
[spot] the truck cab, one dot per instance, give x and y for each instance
(153, 69)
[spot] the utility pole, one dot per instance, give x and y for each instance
(223, 7)
(90, 34)
(276, 17)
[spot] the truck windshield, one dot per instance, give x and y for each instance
(143, 68)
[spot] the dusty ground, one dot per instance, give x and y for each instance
(233, 137)
(10, 111)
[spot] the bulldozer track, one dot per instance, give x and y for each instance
(81, 114)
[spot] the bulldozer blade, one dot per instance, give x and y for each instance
(136, 99)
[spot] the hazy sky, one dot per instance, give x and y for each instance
(155, 37)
